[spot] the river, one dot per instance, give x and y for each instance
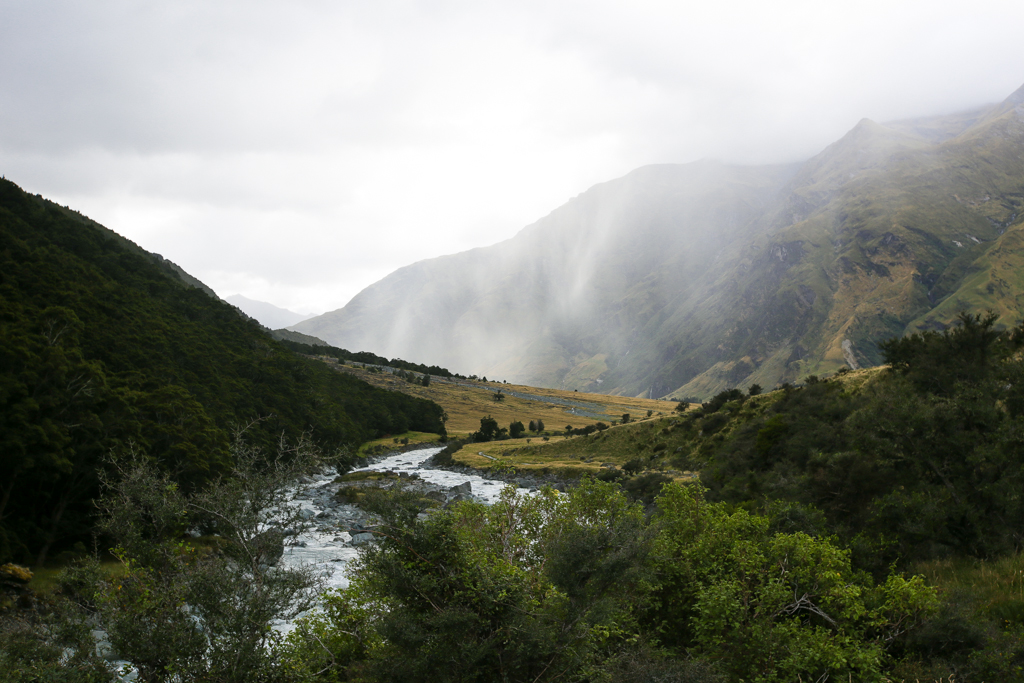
(329, 547)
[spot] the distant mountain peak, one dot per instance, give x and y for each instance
(267, 314)
(1016, 97)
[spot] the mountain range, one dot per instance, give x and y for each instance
(268, 315)
(682, 280)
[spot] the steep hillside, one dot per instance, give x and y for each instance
(682, 280)
(106, 347)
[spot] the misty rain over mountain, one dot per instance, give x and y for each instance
(682, 280)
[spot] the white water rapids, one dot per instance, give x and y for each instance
(330, 548)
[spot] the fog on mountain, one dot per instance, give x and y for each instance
(681, 280)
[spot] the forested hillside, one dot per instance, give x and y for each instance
(106, 346)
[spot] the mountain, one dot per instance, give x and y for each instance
(107, 349)
(268, 315)
(682, 280)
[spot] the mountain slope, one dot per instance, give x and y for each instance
(682, 280)
(105, 348)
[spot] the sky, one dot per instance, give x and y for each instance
(296, 152)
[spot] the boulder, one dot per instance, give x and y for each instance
(459, 497)
(464, 487)
(362, 538)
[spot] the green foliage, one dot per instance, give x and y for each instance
(937, 362)
(530, 589)
(52, 645)
(773, 606)
(516, 429)
(921, 462)
(193, 611)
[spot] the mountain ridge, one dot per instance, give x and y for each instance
(680, 280)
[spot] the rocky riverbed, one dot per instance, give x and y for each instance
(339, 528)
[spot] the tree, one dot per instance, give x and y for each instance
(426, 380)
(488, 429)
(203, 610)
(498, 397)
(516, 429)
(536, 588)
(754, 390)
(625, 418)
(539, 426)
(938, 361)
(774, 606)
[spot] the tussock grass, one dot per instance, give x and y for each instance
(467, 401)
(997, 584)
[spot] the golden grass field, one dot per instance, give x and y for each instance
(468, 401)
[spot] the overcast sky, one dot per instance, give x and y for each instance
(296, 152)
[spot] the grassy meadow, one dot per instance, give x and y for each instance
(466, 401)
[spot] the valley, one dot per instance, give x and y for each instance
(777, 417)
(466, 401)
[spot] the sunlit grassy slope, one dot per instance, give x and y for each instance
(467, 401)
(661, 443)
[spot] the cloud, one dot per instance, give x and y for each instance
(294, 152)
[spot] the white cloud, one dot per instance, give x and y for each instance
(295, 152)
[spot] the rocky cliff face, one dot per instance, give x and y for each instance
(684, 279)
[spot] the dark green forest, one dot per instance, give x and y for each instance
(104, 345)
(367, 357)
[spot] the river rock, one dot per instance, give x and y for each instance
(362, 538)
(464, 487)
